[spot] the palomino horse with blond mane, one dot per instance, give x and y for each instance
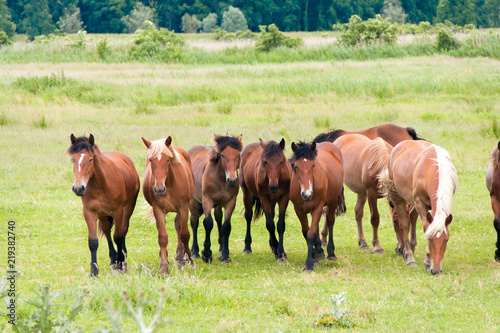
(265, 181)
(316, 183)
(493, 185)
(421, 174)
(364, 160)
(168, 186)
(108, 184)
(216, 186)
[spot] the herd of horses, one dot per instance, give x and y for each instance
(387, 161)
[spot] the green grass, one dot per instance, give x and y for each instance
(452, 102)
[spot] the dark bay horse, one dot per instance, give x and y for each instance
(168, 187)
(108, 184)
(265, 181)
(215, 170)
(317, 177)
(421, 174)
(493, 185)
(364, 159)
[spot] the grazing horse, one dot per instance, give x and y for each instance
(108, 184)
(364, 160)
(168, 187)
(215, 186)
(265, 181)
(391, 133)
(316, 183)
(493, 185)
(421, 174)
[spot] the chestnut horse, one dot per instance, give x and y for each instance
(108, 184)
(364, 160)
(316, 183)
(168, 186)
(215, 186)
(493, 185)
(421, 174)
(265, 181)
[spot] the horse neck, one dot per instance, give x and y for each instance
(99, 176)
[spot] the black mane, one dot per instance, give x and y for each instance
(330, 136)
(80, 144)
(271, 149)
(411, 132)
(303, 151)
(222, 142)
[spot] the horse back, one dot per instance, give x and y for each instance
(330, 157)
(124, 165)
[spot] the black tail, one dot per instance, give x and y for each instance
(258, 208)
(341, 208)
(411, 132)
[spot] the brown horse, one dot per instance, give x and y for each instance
(215, 186)
(422, 174)
(265, 181)
(493, 185)
(168, 187)
(108, 184)
(364, 160)
(316, 183)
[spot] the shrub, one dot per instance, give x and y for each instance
(4, 39)
(102, 48)
(137, 18)
(70, 22)
(220, 34)
(37, 84)
(370, 31)
(233, 20)
(190, 23)
(273, 38)
(80, 40)
(446, 41)
(162, 44)
(209, 23)
(336, 317)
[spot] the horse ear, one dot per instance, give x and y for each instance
(262, 144)
(429, 217)
(240, 137)
(72, 138)
(282, 144)
(168, 142)
(448, 220)
(91, 140)
(312, 147)
(294, 146)
(146, 142)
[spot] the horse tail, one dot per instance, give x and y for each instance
(411, 132)
(148, 213)
(379, 157)
(258, 208)
(330, 136)
(106, 224)
(341, 207)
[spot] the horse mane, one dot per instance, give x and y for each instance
(330, 136)
(411, 132)
(80, 144)
(495, 158)
(221, 143)
(379, 157)
(448, 182)
(159, 147)
(271, 149)
(303, 151)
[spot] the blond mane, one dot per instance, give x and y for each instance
(159, 147)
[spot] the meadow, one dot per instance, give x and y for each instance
(453, 102)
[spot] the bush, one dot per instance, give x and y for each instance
(446, 41)
(162, 44)
(370, 31)
(102, 48)
(220, 34)
(233, 20)
(209, 23)
(80, 40)
(190, 23)
(273, 38)
(137, 18)
(4, 39)
(38, 84)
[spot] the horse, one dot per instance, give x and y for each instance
(265, 181)
(493, 186)
(316, 183)
(421, 174)
(215, 170)
(108, 184)
(391, 133)
(168, 187)
(364, 159)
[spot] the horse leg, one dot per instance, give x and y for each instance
(413, 229)
(247, 202)
(324, 231)
(91, 219)
(495, 203)
(375, 220)
(313, 241)
(162, 239)
(226, 229)
(181, 228)
(330, 222)
(422, 210)
(283, 204)
(194, 208)
(404, 229)
(268, 209)
(360, 204)
(208, 223)
(121, 228)
(218, 218)
(395, 223)
(106, 223)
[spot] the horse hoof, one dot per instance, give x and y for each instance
(247, 252)
(307, 270)
(319, 255)
(411, 263)
(364, 247)
(379, 251)
(226, 261)
(324, 244)
(207, 260)
(112, 265)
(163, 271)
(195, 256)
(331, 258)
(282, 259)
(399, 251)
(497, 258)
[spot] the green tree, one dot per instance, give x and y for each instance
(6, 23)
(103, 16)
(209, 23)
(233, 20)
(393, 11)
(71, 21)
(460, 12)
(57, 8)
(190, 23)
(36, 19)
(138, 17)
(487, 13)
(169, 14)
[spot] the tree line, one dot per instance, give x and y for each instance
(36, 17)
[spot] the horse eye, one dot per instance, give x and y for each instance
(314, 166)
(222, 155)
(282, 162)
(265, 163)
(91, 160)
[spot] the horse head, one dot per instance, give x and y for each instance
(227, 152)
(437, 241)
(273, 160)
(82, 151)
(303, 166)
(160, 157)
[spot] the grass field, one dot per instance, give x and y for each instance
(452, 102)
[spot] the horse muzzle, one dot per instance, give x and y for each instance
(307, 195)
(232, 182)
(273, 188)
(79, 190)
(159, 192)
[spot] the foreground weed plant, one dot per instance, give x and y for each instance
(337, 317)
